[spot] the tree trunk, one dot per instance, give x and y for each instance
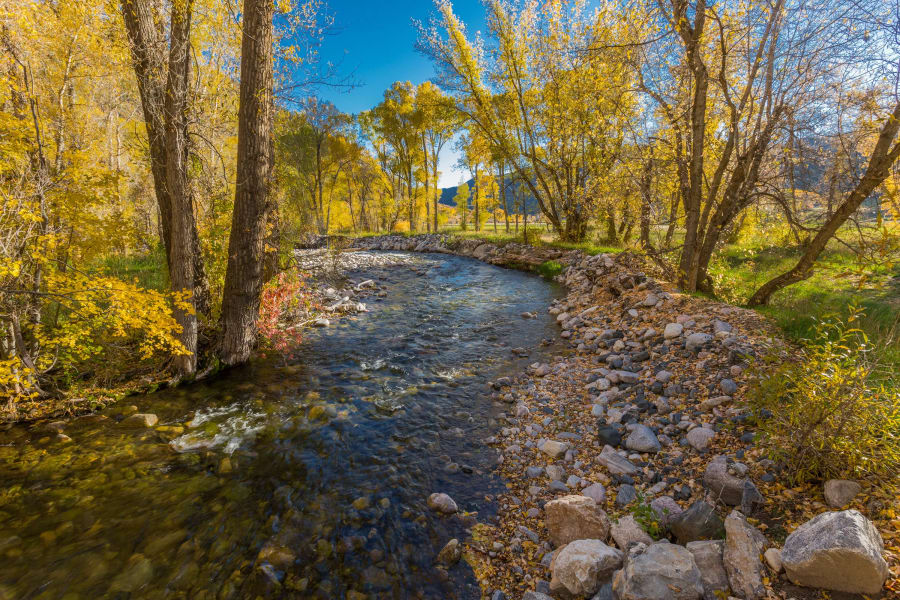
(884, 155)
(646, 183)
(243, 277)
(181, 259)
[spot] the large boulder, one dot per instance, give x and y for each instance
(573, 518)
(744, 545)
(837, 551)
(699, 522)
(722, 484)
(660, 571)
(708, 555)
(581, 567)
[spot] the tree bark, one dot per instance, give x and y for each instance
(181, 260)
(243, 276)
(884, 155)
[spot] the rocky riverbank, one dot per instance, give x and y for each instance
(631, 465)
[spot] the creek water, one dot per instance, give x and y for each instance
(290, 478)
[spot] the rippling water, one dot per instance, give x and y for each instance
(305, 478)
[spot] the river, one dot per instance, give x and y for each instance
(298, 478)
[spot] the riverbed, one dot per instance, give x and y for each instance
(292, 477)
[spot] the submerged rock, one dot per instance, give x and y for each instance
(140, 420)
(442, 503)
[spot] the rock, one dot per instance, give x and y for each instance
(728, 387)
(696, 341)
(581, 567)
(699, 437)
(554, 449)
(708, 557)
(321, 322)
(699, 522)
(651, 300)
(140, 420)
(55, 426)
(673, 330)
(595, 492)
(555, 472)
(535, 596)
(721, 483)
(450, 553)
(751, 498)
(839, 492)
(721, 327)
(625, 495)
(710, 403)
(773, 559)
(616, 464)
(665, 509)
(837, 551)
(442, 503)
(660, 571)
(627, 532)
(609, 435)
(573, 518)
(744, 544)
(642, 439)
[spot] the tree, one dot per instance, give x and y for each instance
(244, 276)
(461, 199)
(438, 123)
(164, 94)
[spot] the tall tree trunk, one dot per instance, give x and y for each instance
(181, 259)
(884, 155)
(477, 208)
(646, 199)
(243, 277)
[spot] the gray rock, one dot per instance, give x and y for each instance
(751, 499)
(627, 532)
(581, 567)
(555, 472)
(728, 387)
(595, 492)
(673, 330)
(605, 593)
(721, 483)
(721, 327)
(699, 522)
(839, 492)
(554, 449)
(661, 571)
(442, 503)
(642, 439)
(665, 509)
(744, 544)
(708, 554)
(573, 518)
(699, 437)
(696, 341)
(615, 463)
(533, 472)
(535, 596)
(625, 495)
(836, 551)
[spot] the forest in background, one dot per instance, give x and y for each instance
(724, 140)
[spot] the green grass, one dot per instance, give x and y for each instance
(148, 269)
(840, 280)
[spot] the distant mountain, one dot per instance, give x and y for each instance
(447, 195)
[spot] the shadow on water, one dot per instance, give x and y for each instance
(305, 478)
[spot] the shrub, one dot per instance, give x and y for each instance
(549, 269)
(832, 413)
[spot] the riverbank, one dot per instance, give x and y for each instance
(640, 432)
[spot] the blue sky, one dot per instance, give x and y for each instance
(374, 41)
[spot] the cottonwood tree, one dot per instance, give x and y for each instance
(726, 77)
(163, 82)
(437, 123)
(244, 274)
(550, 92)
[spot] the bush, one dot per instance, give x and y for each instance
(549, 269)
(832, 413)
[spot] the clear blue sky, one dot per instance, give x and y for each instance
(374, 41)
